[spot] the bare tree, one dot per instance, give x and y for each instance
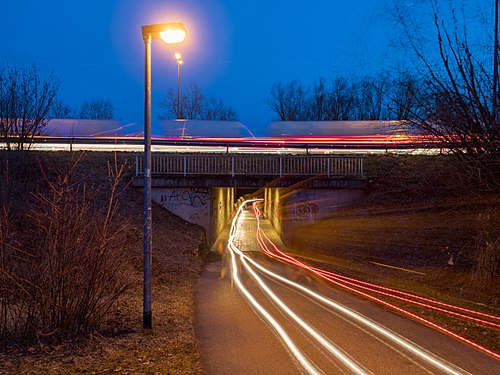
(319, 100)
(279, 101)
(196, 106)
(460, 102)
(369, 96)
(403, 96)
(341, 100)
(172, 110)
(192, 102)
(289, 101)
(26, 98)
(216, 109)
(97, 109)
(61, 110)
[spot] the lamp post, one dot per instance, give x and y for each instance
(170, 33)
(179, 63)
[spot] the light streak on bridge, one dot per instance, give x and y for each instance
(285, 144)
(247, 267)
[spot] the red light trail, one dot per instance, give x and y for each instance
(351, 284)
(240, 229)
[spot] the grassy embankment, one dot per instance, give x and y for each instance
(420, 228)
(417, 215)
(120, 344)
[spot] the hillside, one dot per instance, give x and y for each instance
(422, 228)
(120, 344)
(419, 228)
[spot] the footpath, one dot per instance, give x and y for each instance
(232, 338)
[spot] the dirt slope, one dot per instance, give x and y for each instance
(419, 228)
(121, 345)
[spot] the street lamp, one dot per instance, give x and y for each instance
(170, 33)
(179, 63)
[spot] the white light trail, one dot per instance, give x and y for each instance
(307, 365)
(322, 340)
(413, 348)
(394, 337)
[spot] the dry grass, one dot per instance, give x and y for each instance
(416, 222)
(424, 217)
(121, 345)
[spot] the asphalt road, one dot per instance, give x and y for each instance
(278, 327)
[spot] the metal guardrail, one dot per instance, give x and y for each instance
(253, 165)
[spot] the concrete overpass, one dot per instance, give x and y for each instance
(202, 188)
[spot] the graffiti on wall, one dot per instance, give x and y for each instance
(304, 211)
(191, 197)
(308, 205)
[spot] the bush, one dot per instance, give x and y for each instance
(62, 266)
(487, 242)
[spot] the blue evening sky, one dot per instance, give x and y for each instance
(235, 49)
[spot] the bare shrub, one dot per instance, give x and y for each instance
(68, 268)
(487, 242)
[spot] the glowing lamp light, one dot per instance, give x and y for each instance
(172, 36)
(170, 33)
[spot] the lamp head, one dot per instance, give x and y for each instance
(170, 33)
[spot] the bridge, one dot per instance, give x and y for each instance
(252, 171)
(202, 188)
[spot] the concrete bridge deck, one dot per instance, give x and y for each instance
(253, 171)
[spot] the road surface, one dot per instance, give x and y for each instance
(266, 316)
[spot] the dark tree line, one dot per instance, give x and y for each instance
(94, 109)
(194, 105)
(382, 97)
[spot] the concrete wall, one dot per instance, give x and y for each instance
(213, 207)
(287, 209)
(273, 207)
(222, 204)
(210, 208)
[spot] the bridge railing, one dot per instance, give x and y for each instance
(253, 165)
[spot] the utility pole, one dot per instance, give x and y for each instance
(148, 238)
